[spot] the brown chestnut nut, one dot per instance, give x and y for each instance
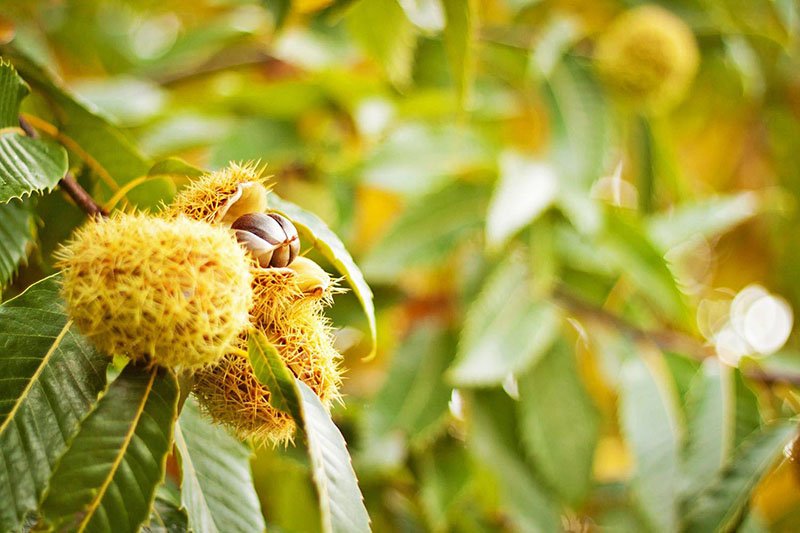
(271, 238)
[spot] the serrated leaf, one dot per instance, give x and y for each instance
(459, 31)
(707, 218)
(721, 412)
(709, 425)
(341, 503)
(332, 247)
(107, 478)
(428, 231)
(507, 328)
(110, 152)
(12, 91)
(414, 397)
(719, 506)
(16, 233)
(493, 440)
(559, 423)
(51, 377)
(217, 484)
(384, 32)
(650, 425)
(27, 165)
(525, 189)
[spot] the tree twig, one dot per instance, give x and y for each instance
(81, 198)
(669, 340)
(68, 184)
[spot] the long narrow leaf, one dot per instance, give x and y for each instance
(51, 377)
(217, 488)
(107, 479)
(341, 504)
(720, 505)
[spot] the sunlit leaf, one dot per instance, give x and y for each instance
(440, 153)
(331, 246)
(709, 424)
(127, 100)
(558, 422)
(340, 500)
(382, 29)
(638, 259)
(707, 218)
(428, 231)
(459, 32)
(525, 188)
(719, 506)
(217, 488)
(507, 329)
(107, 478)
(649, 418)
(580, 122)
(494, 441)
(51, 379)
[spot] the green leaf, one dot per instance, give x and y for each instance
(493, 440)
(720, 505)
(341, 503)
(707, 218)
(650, 424)
(51, 377)
(507, 329)
(101, 144)
(721, 412)
(708, 420)
(414, 397)
(12, 90)
(384, 32)
(444, 481)
(559, 423)
(167, 515)
(217, 488)
(525, 189)
(26, 165)
(459, 32)
(16, 233)
(580, 120)
(428, 231)
(107, 478)
(440, 154)
(332, 247)
(646, 267)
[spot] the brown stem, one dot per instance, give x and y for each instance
(81, 198)
(68, 184)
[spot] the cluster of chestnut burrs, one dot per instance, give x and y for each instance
(271, 238)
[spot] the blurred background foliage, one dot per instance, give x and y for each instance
(573, 327)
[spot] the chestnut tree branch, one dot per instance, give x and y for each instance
(68, 184)
(667, 340)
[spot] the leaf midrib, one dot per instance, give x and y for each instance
(94, 504)
(35, 377)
